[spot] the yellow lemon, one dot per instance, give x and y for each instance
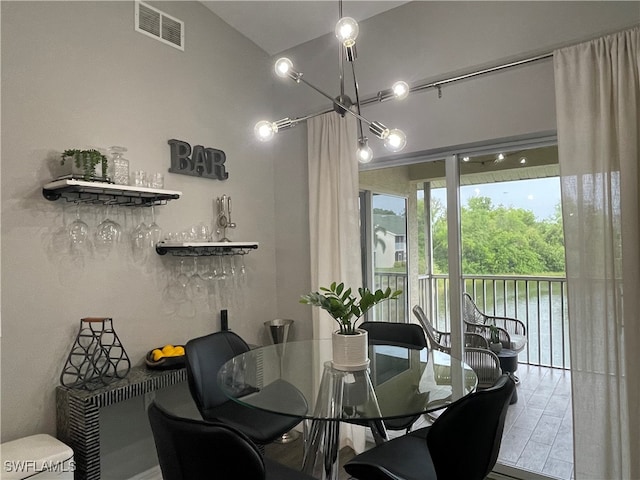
(179, 350)
(167, 349)
(157, 354)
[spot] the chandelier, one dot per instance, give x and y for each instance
(346, 31)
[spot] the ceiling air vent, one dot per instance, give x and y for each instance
(156, 24)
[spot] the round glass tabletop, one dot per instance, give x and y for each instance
(297, 378)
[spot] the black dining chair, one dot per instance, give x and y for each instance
(406, 335)
(463, 442)
(190, 449)
(204, 357)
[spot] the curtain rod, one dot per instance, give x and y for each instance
(387, 94)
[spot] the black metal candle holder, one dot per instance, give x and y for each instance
(97, 356)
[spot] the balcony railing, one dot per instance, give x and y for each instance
(392, 311)
(540, 302)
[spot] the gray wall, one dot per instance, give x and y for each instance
(76, 74)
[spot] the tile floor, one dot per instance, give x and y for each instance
(538, 430)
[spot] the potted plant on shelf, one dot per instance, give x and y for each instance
(86, 164)
(494, 339)
(349, 342)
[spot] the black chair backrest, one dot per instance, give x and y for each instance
(205, 355)
(190, 449)
(464, 441)
(408, 335)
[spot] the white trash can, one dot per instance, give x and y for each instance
(40, 457)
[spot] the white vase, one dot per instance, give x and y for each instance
(350, 352)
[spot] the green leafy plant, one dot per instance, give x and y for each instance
(494, 334)
(86, 161)
(346, 308)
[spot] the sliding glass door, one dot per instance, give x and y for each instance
(486, 220)
(385, 263)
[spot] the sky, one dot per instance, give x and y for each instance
(540, 195)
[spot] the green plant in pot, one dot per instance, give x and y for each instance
(85, 163)
(344, 307)
(349, 344)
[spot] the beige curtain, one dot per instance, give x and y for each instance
(598, 112)
(334, 221)
(333, 208)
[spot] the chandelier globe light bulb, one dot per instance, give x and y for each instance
(283, 66)
(347, 31)
(265, 130)
(364, 152)
(395, 141)
(400, 90)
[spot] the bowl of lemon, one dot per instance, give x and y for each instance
(165, 358)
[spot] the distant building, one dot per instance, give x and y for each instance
(390, 240)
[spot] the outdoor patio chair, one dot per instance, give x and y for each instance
(512, 332)
(477, 355)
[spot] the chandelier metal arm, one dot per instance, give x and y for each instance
(357, 94)
(341, 56)
(335, 101)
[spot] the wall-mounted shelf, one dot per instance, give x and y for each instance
(102, 193)
(205, 248)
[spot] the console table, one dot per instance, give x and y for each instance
(78, 412)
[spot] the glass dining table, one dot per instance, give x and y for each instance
(398, 383)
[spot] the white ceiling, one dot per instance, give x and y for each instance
(276, 26)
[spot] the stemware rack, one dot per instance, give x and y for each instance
(100, 193)
(205, 248)
(81, 191)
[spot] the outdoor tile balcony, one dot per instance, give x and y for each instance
(538, 434)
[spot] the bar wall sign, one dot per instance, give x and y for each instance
(198, 162)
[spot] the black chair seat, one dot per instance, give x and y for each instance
(463, 442)
(262, 427)
(205, 356)
(190, 449)
(382, 462)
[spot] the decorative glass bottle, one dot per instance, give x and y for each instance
(120, 174)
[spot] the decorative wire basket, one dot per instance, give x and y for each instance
(97, 356)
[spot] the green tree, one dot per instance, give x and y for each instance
(497, 240)
(383, 211)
